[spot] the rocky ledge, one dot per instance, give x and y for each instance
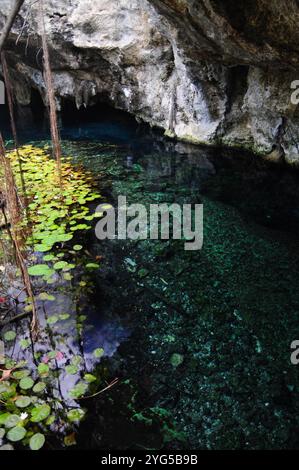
(206, 71)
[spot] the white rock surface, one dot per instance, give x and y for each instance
(201, 84)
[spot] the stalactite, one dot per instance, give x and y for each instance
(172, 110)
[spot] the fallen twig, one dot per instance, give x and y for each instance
(114, 382)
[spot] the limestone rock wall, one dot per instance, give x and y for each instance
(209, 71)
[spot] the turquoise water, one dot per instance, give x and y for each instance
(199, 340)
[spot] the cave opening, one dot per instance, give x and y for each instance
(98, 112)
(37, 106)
(102, 121)
(236, 84)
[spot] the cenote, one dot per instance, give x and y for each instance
(151, 346)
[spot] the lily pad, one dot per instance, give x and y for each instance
(39, 413)
(75, 415)
(43, 369)
(77, 247)
(52, 320)
(10, 336)
(24, 343)
(16, 434)
(40, 270)
(90, 378)
(79, 390)
(37, 441)
(23, 402)
(71, 370)
(26, 383)
(98, 353)
(39, 387)
(76, 360)
(92, 266)
(12, 421)
(60, 265)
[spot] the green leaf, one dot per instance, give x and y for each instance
(76, 360)
(26, 383)
(28, 308)
(65, 238)
(23, 402)
(41, 248)
(3, 418)
(98, 353)
(75, 415)
(90, 378)
(92, 266)
(71, 370)
(43, 369)
(12, 421)
(52, 320)
(10, 363)
(16, 434)
(40, 270)
(44, 297)
(50, 420)
(60, 265)
(49, 258)
(64, 316)
(24, 343)
(7, 447)
(10, 336)
(20, 364)
(52, 354)
(20, 374)
(77, 247)
(7, 391)
(79, 390)
(39, 387)
(69, 267)
(37, 441)
(39, 413)
(79, 227)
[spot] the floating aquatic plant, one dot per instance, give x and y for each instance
(56, 214)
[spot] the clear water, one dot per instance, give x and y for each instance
(230, 311)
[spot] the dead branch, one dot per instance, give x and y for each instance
(50, 94)
(11, 200)
(9, 91)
